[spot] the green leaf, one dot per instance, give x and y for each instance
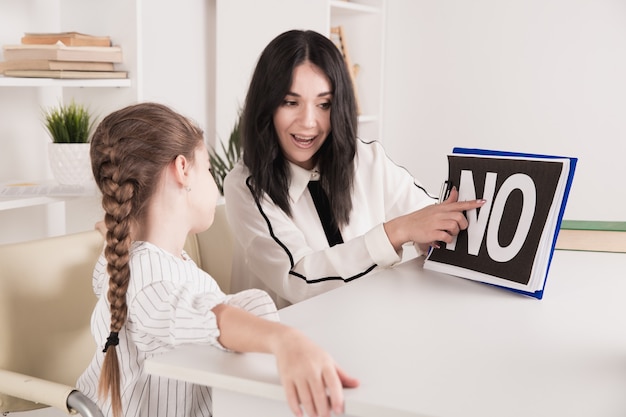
(221, 165)
(71, 123)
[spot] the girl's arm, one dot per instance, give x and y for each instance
(311, 379)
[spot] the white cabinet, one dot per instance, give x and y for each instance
(164, 46)
(24, 140)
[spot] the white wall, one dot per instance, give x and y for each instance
(175, 56)
(539, 76)
(238, 46)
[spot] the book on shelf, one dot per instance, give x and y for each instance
(338, 36)
(63, 74)
(48, 64)
(511, 239)
(592, 236)
(67, 38)
(60, 52)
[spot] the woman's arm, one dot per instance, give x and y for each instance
(311, 379)
(293, 259)
(290, 255)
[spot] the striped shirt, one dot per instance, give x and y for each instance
(290, 257)
(169, 303)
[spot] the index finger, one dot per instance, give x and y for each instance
(469, 205)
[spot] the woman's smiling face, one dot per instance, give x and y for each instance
(302, 121)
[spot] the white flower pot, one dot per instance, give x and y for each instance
(70, 163)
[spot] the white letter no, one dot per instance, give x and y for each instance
(526, 185)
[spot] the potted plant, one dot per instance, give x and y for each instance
(221, 165)
(69, 126)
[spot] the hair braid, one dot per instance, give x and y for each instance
(117, 203)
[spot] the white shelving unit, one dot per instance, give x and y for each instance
(153, 58)
(363, 22)
(22, 136)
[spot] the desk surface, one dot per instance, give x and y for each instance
(429, 344)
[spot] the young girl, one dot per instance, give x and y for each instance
(152, 167)
(311, 206)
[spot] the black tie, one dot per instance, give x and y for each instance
(326, 216)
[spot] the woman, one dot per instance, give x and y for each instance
(152, 167)
(311, 206)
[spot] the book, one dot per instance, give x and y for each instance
(47, 64)
(593, 236)
(67, 38)
(63, 74)
(511, 239)
(60, 52)
(338, 36)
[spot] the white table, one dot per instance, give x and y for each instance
(428, 344)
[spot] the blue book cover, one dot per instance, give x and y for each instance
(511, 239)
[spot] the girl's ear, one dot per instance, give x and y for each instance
(181, 168)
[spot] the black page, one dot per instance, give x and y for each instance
(545, 175)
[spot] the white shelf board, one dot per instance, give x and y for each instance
(368, 118)
(35, 193)
(21, 202)
(339, 5)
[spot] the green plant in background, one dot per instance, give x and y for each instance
(221, 165)
(69, 123)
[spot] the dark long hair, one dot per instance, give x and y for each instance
(270, 83)
(129, 151)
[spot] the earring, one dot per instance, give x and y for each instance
(188, 188)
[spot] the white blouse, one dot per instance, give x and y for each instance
(169, 303)
(289, 257)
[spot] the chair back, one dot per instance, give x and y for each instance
(213, 249)
(46, 301)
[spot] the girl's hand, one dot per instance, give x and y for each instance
(312, 380)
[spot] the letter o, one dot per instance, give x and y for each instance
(526, 185)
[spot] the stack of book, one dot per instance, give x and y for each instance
(62, 55)
(594, 236)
